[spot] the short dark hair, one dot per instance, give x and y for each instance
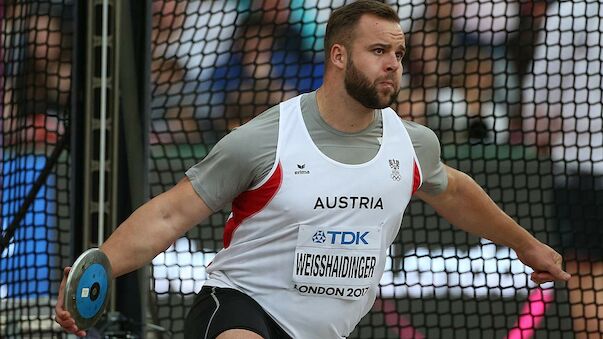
(343, 21)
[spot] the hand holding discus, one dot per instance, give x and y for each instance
(84, 292)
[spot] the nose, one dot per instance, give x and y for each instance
(392, 64)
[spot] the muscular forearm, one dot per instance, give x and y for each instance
(467, 206)
(154, 227)
(139, 239)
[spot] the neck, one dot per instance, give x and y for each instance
(342, 112)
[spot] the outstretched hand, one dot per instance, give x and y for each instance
(546, 263)
(62, 317)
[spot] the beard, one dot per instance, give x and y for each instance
(360, 88)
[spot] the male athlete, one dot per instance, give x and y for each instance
(318, 186)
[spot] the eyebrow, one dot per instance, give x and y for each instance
(387, 46)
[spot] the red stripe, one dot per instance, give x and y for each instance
(416, 179)
(251, 202)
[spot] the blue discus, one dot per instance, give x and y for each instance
(88, 288)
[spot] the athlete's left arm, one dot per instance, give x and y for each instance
(465, 204)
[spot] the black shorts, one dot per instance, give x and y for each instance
(579, 212)
(216, 310)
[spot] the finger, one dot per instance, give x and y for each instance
(64, 319)
(67, 324)
(537, 280)
(60, 312)
(75, 330)
(560, 274)
(72, 329)
(63, 315)
(66, 271)
(543, 277)
(60, 299)
(553, 275)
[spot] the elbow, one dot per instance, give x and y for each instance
(167, 230)
(455, 179)
(458, 183)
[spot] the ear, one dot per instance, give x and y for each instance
(338, 56)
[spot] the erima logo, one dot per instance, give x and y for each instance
(302, 169)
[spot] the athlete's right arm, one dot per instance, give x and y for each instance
(238, 161)
(151, 229)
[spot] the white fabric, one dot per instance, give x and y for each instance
(321, 208)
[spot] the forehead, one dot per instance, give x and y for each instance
(373, 29)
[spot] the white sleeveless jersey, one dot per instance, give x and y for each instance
(309, 242)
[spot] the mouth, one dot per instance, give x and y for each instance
(387, 84)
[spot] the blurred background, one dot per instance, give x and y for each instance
(106, 103)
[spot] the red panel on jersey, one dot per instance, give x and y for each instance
(251, 202)
(416, 178)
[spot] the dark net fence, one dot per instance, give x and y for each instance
(513, 90)
(35, 72)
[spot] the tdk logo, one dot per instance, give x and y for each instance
(319, 237)
(301, 169)
(341, 237)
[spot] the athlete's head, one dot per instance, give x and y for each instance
(365, 43)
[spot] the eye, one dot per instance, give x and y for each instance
(379, 51)
(399, 56)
